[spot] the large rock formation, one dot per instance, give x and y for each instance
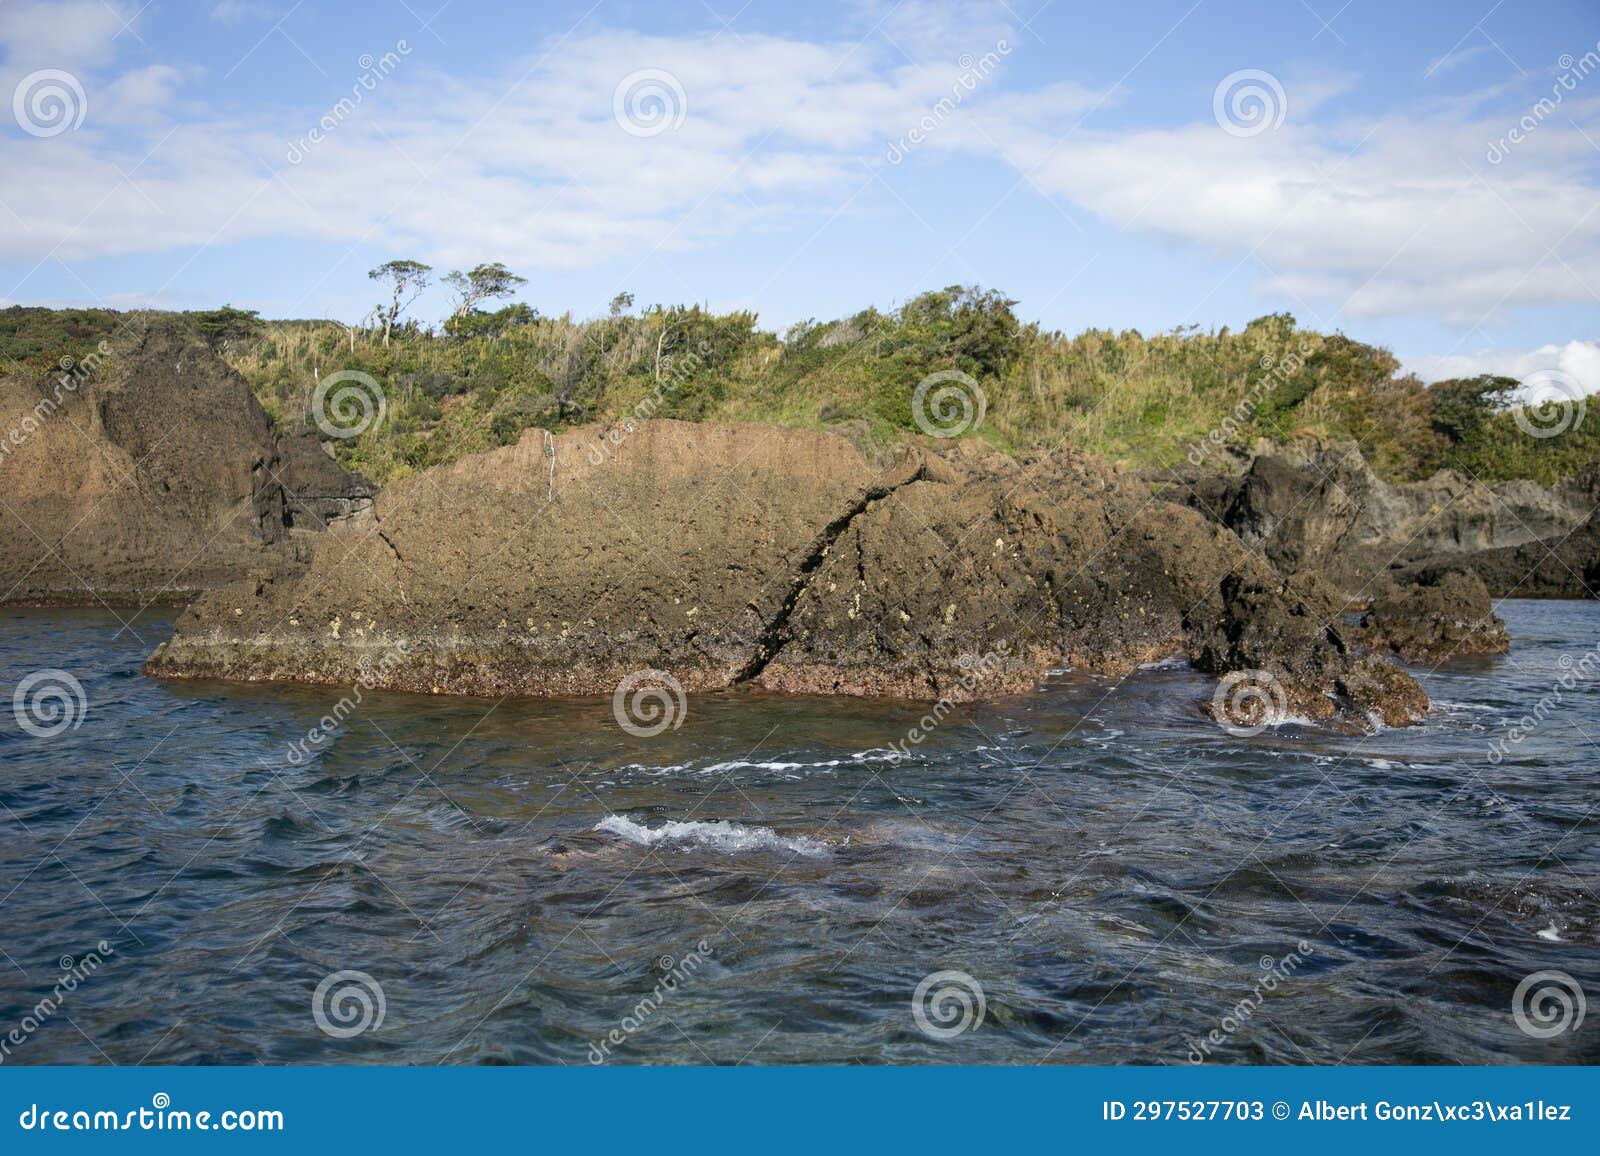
(1320, 509)
(779, 558)
(149, 471)
(1561, 566)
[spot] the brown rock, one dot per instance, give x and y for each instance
(1449, 615)
(780, 558)
(149, 472)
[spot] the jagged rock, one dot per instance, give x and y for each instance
(1449, 615)
(729, 555)
(147, 472)
(1565, 565)
(1320, 508)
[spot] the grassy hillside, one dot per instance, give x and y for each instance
(1145, 401)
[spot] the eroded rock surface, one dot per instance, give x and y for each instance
(151, 475)
(1320, 509)
(779, 558)
(1449, 615)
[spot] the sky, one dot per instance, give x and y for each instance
(1421, 175)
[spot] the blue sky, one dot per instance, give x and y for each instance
(807, 161)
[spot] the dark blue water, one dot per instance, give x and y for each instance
(525, 882)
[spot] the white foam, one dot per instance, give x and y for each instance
(1549, 933)
(729, 838)
(1171, 662)
(742, 765)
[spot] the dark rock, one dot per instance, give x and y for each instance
(1320, 509)
(1449, 615)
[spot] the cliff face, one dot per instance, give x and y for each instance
(149, 473)
(1321, 510)
(729, 555)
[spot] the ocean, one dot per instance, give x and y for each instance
(1092, 873)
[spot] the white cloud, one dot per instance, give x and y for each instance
(1391, 214)
(1576, 361)
(1394, 215)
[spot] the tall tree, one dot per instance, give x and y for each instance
(406, 281)
(480, 284)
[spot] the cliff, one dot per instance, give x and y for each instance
(147, 471)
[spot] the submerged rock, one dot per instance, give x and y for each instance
(149, 471)
(726, 555)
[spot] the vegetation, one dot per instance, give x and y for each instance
(1146, 401)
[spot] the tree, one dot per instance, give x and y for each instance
(222, 327)
(480, 284)
(406, 281)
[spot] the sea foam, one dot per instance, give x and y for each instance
(722, 835)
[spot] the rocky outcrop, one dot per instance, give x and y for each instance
(1563, 566)
(727, 555)
(148, 471)
(1320, 509)
(1448, 615)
